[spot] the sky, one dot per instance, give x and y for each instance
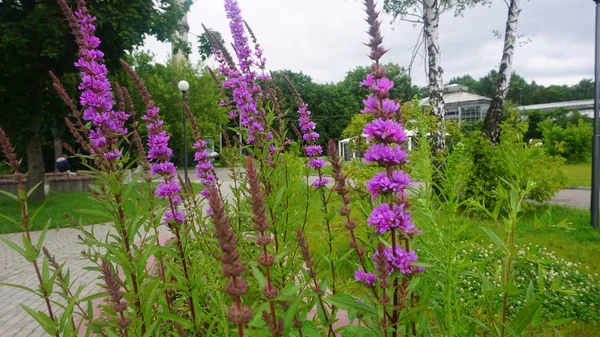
(324, 38)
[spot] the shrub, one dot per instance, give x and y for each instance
(572, 142)
(530, 161)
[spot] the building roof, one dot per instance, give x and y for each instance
(575, 105)
(456, 94)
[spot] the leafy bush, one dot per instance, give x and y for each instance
(572, 142)
(491, 164)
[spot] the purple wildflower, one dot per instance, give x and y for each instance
(400, 260)
(382, 218)
(366, 278)
(381, 184)
(386, 155)
(167, 190)
(317, 163)
(320, 182)
(385, 217)
(173, 216)
(385, 131)
(313, 150)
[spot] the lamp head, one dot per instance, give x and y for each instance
(185, 86)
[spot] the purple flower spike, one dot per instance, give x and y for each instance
(97, 97)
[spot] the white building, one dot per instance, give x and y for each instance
(462, 105)
(585, 107)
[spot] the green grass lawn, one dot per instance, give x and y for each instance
(580, 243)
(55, 208)
(578, 175)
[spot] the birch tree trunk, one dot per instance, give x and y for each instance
(491, 125)
(431, 18)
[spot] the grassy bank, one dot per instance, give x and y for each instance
(578, 175)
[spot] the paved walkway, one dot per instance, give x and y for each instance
(64, 244)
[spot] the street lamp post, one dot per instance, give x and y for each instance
(596, 140)
(184, 86)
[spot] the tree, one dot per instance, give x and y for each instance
(34, 39)
(205, 46)
(491, 124)
(427, 13)
(522, 92)
(203, 98)
(331, 105)
(402, 90)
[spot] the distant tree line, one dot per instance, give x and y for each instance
(333, 104)
(521, 92)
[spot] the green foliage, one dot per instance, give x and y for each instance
(568, 289)
(512, 158)
(202, 97)
(333, 105)
(35, 38)
(572, 141)
(205, 46)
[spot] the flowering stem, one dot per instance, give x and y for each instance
(25, 222)
(506, 278)
(127, 249)
(329, 233)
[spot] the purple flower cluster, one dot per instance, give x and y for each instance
(385, 131)
(204, 167)
(385, 217)
(159, 154)
(400, 259)
(381, 184)
(96, 96)
(367, 278)
(386, 155)
(320, 182)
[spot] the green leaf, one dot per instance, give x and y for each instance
(530, 295)
(10, 195)
(11, 220)
(524, 318)
(495, 239)
(37, 211)
(43, 319)
(559, 322)
(510, 289)
(14, 246)
(31, 254)
(18, 286)
(258, 275)
(31, 190)
(174, 318)
(40, 242)
(346, 302)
